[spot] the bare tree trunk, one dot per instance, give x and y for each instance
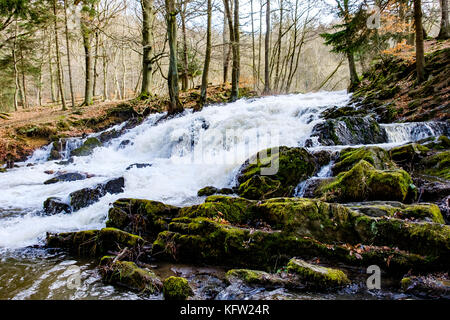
(260, 40)
(105, 72)
(420, 58)
(280, 35)
(175, 105)
(184, 74)
(207, 56)
(226, 47)
(86, 35)
(23, 87)
(50, 69)
(148, 16)
(95, 74)
(253, 47)
(72, 96)
(16, 73)
(267, 51)
(444, 32)
(234, 39)
(58, 59)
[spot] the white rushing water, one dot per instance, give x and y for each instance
(186, 153)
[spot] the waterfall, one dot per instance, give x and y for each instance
(414, 131)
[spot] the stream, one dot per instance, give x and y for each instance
(181, 156)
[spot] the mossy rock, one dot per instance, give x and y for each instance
(317, 276)
(176, 288)
(129, 275)
(437, 165)
(294, 165)
(376, 156)
(87, 148)
(364, 182)
(207, 191)
(265, 279)
(429, 286)
(421, 211)
(142, 217)
(409, 154)
(202, 239)
(233, 210)
(93, 242)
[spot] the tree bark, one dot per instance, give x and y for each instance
(207, 56)
(280, 35)
(72, 96)
(175, 105)
(236, 55)
(420, 57)
(86, 35)
(444, 32)
(58, 58)
(148, 16)
(184, 73)
(267, 51)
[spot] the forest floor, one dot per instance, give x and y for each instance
(390, 88)
(25, 130)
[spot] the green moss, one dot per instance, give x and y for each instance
(317, 276)
(128, 274)
(437, 165)
(142, 217)
(294, 165)
(207, 191)
(176, 288)
(409, 153)
(93, 242)
(258, 277)
(405, 283)
(234, 210)
(377, 157)
(421, 211)
(364, 182)
(86, 149)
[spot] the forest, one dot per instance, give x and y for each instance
(224, 150)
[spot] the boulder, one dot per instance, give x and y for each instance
(64, 177)
(428, 287)
(417, 212)
(129, 275)
(87, 148)
(55, 205)
(176, 288)
(94, 242)
(262, 278)
(293, 166)
(207, 191)
(138, 165)
(317, 276)
(349, 130)
(142, 217)
(87, 196)
(437, 165)
(377, 157)
(364, 182)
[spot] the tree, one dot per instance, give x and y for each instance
(420, 57)
(351, 36)
(148, 16)
(58, 58)
(175, 105)
(444, 32)
(233, 26)
(207, 55)
(72, 95)
(87, 14)
(267, 51)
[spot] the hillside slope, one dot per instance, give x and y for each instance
(390, 90)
